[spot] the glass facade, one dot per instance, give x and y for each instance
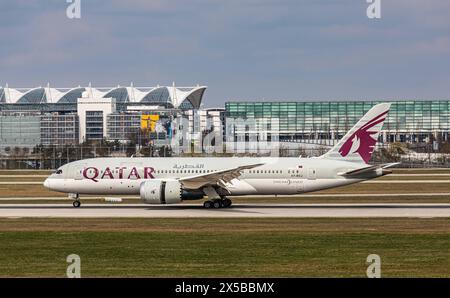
(72, 96)
(157, 96)
(120, 94)
(19, 130)
(59, 129)
(122, 127)
(94, 125)
(410, 121)
(126, 126)
(34, 96)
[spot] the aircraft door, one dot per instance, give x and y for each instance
(312, 174)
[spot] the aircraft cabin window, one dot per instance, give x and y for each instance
(58, 172)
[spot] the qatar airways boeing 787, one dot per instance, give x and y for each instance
(171, 180)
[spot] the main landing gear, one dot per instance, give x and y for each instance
(217, 203)
(76, 203)
(215, 200)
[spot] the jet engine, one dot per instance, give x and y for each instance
(158, 191)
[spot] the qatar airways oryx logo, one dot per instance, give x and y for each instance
(363, 140)
(93, 173)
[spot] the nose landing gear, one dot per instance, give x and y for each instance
(76, 197)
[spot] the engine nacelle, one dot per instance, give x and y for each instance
(158, 191)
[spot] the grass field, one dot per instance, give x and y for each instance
(193, 247)
(225, 247)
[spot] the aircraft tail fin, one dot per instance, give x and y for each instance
(359, 142)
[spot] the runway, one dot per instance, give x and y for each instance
(331, 195)
(238, 210)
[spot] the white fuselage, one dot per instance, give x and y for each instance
(278, 176)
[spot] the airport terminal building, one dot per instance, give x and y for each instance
(419, 121)
(61, 117)
(69, 116)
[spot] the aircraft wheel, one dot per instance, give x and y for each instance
(207, 204)
(217, 204)
(226, 203)
(76, 204)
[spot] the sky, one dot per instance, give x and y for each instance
(240, 49)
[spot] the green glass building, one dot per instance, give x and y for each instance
(408, 121)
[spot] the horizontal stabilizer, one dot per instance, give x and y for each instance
(370, 169)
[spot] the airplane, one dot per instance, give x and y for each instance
(171, 180)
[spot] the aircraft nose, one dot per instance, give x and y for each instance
(47, 183)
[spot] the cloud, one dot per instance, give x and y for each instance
(239, 48)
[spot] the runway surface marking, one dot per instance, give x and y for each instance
(21, 183)
(238, 210)
(418, 175)
(341, 195)
(406, 181)
(24, 176)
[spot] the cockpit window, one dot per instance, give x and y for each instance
(58, 172)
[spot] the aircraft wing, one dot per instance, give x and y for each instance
(369, 169)
(215, 178)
